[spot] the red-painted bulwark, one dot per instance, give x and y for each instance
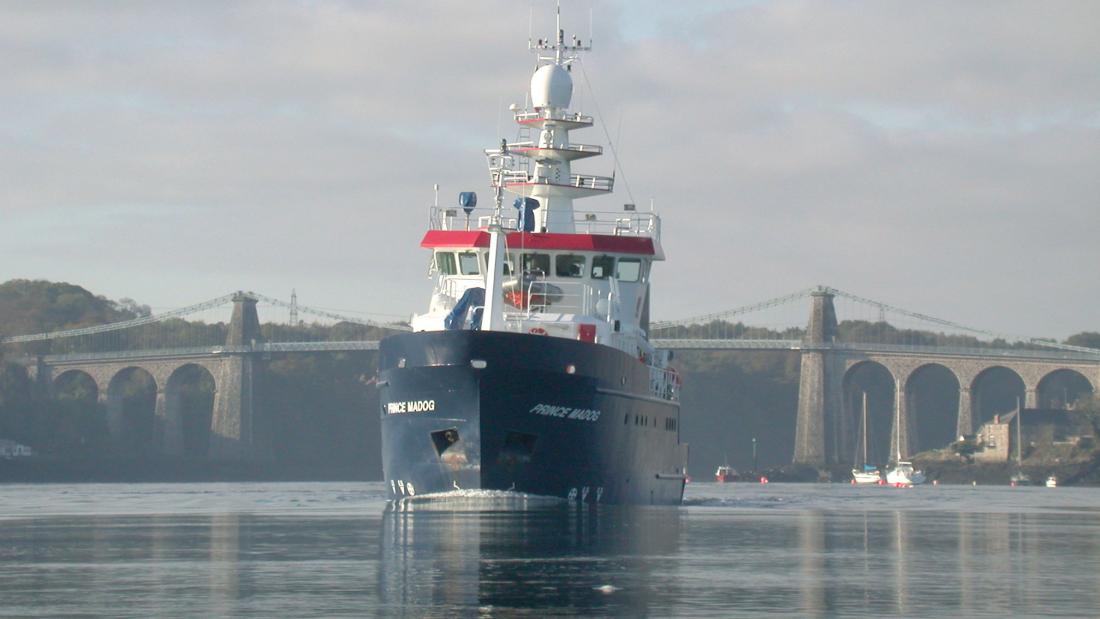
(549, 241)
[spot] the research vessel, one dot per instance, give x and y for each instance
(531, 372)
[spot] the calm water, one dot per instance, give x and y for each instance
(322, 550)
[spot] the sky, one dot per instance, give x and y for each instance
(943, 157)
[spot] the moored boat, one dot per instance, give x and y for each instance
(864, 473)
(725, 473)
(903, 474)
(868, 476)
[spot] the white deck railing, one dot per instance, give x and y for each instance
(526, 116)
(593, 149)
(612, 223)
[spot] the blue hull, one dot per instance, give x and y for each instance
(539, 415)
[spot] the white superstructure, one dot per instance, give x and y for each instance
(534, 264)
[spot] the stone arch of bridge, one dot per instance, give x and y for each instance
(1061, 388)
(76, 384)
(232, 399)
(77, 423)
(878, 381)
(996, 390)
(132, 394)
(933, 391)
(184, 424)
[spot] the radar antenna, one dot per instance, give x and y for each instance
(563, 53)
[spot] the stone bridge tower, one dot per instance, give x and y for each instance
(235, 431)
(815, 387)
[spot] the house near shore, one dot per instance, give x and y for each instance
(997, 438)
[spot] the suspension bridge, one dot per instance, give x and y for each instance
(225, 338)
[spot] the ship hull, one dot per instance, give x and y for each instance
(479, 410)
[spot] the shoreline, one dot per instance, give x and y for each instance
(39, 469)
(33, 470)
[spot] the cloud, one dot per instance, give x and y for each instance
(939, 156)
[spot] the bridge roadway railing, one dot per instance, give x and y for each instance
(320, 346)
(900, 349)
(718, 344)
(163, 353)
(960, 351)
(677, 344)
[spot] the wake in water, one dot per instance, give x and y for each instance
(474, 500)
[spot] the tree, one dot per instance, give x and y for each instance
(16, 402)
(965, 448)
(1089, 405)
(1088, 339)
(126, 304)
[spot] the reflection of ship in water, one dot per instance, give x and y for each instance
(588, 561)
(798, 557)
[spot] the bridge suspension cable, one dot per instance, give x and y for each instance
(298, 307)
(746, 309)
(657, 327)
(954, 325)
(186, 311)
(118, 326)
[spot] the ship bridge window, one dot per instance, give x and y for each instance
(467, 263)
(569, 265)
(538, 264)
(629, 270)
(445, 263)
(509, 266)
(603, 266)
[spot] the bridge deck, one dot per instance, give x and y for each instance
(673, 344)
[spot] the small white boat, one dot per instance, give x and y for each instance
(869, 476)
(864, 473)
(1052, 482)
(724, 474)
(903, 474)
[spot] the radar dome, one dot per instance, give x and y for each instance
(551, 86)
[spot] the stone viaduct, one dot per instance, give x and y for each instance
(827, 425)
(825, 431)
(236, 369)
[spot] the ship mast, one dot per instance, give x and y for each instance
(547, 188)
(541, 168)
(494, 277)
